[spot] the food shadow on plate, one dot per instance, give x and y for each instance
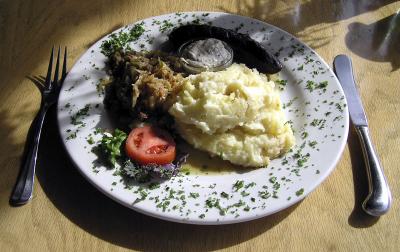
(201, 163)
(358, 218)
(104, 218)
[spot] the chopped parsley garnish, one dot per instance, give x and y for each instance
(77, 118)
(238, 185)
(120, 41)
(304, 135)
(320, 123)
(312, 144)
(286, 105)
(90, 140)
(251, 184)
(300, 192)
(311, 85)
(322, 85)
(339, 107)
(303, 160)
(224, 195)
(194, 195)
(71, 136)
(213, 202)
(264, 194)
(165, 26)
(163, 205)
(281, 84)
(153, 186)
(244, 193)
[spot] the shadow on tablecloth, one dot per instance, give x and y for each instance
(378, 41)
(305, 19)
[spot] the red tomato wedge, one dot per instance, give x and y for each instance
(150, 145)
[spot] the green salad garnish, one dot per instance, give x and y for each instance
(110, 145)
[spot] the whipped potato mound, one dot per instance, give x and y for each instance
(235, 114)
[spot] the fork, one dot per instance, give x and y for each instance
(23, 187)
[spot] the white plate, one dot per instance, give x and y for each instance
(212, 199)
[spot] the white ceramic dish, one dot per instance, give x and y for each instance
(319, 117)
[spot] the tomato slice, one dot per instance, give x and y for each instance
(150, 145)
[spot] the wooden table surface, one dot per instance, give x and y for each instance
(68, 214)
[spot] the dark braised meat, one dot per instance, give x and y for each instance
(246, 50)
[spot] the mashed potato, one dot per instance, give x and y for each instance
(235, 113)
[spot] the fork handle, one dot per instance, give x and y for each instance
(23, 187)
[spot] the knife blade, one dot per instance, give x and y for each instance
(379, 198)
(344, 72)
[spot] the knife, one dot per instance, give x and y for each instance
(379, 198)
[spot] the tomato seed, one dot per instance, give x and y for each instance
(138, 139)
(157, 149)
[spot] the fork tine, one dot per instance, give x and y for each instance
(48, 77)
(55, 79)
(64, 69)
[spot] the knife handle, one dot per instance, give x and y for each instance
(379, 198)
